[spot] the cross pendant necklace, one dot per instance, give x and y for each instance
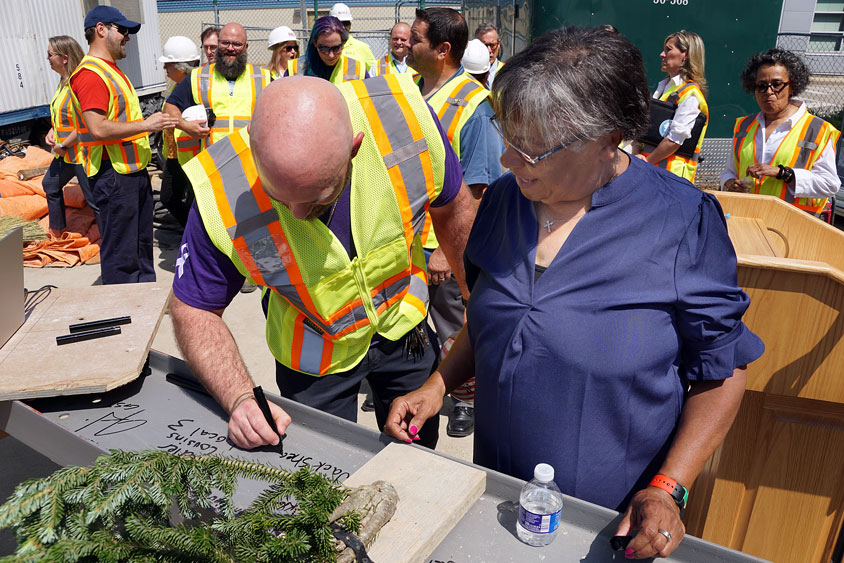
(548, 224)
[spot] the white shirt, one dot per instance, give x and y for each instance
(493, 70)
(401, 65)
(821, 181)
(685, 114)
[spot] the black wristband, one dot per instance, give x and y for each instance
(781, 172)
(788, 175)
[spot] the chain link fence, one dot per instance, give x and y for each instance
(825, 59)
(371, 21)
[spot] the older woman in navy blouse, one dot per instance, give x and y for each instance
(604, 326)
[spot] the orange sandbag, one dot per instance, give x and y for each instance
(68, 250)
(12, 187)
(93, 233)
(73, 196)
(79, 220)
(27, 207)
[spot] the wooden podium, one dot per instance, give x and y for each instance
(775, 488)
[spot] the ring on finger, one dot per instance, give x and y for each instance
(666, 534)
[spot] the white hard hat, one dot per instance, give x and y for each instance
(476, 57)
(195, 113)
(341, 12)
(279, 35)
(179, 49)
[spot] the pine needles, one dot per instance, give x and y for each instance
(32, 231)
(149, 506)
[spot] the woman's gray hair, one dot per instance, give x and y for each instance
(186, 67)
(585, 82)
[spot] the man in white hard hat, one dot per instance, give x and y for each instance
(285, 47)
(488, 34)
(476, 60)
(395, 60)
(113, 130)
(353, 48)
(438, 39)
(180, 56)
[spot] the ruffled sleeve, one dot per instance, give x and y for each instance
(710, 304)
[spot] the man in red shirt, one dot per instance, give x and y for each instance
(115, 135)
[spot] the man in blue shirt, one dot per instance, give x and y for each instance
(438, 38)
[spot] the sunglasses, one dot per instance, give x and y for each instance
(776, 86)
(290, 48)
(532, 160)
(121, 29)
(326, 50)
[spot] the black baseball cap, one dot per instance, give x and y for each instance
(107, 14)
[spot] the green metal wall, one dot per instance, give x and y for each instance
(732, 30)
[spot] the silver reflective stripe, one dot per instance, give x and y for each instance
(455, 102)
(258, 81)
(384, 67)
(743, 129)
(419, 289)
(406, 152)
(204, 86)
(252, 223)
(257, 236)
(393, 289)
(400, 137)
(300, 70)
(807, 144)
(356, 73)
(312, 344)
(132, 159)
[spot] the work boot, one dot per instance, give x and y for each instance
(368, 404)
(461, 423)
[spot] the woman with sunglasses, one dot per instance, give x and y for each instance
(284, 46)
(324, 56)
(682, 59)
(783, 150)
(604, 325)
(63, 54)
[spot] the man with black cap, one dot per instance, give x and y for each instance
(115, 135)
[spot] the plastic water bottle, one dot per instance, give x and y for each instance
(540, 507)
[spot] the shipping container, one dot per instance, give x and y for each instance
(26, 81)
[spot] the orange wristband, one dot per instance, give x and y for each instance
(677, 491)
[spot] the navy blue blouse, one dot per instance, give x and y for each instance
(586, 369)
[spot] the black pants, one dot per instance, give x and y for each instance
(391, 372)
(125, 202)
(176, 191)
(58, 175)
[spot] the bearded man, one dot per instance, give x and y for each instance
(228, 87)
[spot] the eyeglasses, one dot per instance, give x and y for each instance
(532, 160)
(492, 45)
(49, 54)
(333, 50)
(210, 48)
(236, 45)
(290, 48)
(775, 86)
(121, 29)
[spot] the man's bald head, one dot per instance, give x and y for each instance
(233, 32)
(302, 141)
(400, 40)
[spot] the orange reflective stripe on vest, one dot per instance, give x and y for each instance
(352, 69)
(456, 103)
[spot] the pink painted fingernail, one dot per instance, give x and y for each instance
(414, 429)
(415, 438)
(409, 441)
(628, 553)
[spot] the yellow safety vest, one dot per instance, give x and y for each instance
(360, 51)
(64, 123)
(345, 69)
(233, 110)
(454, 103)
(680, 165)
(129, 154)
(387, 65)
(186, 146)
(811, 134)
(323, 307)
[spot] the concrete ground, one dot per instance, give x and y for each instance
(244, 318)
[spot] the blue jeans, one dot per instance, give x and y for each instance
(58, 175)
(125, 202)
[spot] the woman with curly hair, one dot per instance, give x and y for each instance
(682, 59)
(783, 150)
(324, 56)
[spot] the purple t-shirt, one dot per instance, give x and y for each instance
(208, 280)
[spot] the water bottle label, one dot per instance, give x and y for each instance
(539, 523)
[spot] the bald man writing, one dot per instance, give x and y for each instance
(328, 223)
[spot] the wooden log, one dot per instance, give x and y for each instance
(29, 173)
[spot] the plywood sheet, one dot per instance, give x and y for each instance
(32, 365)
(434, 494)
